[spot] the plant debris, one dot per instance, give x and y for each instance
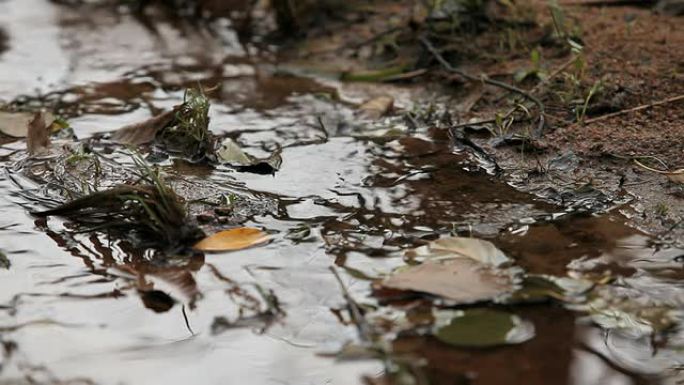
(150, 209)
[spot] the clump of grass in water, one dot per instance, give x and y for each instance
(150, 209)
(189, 134)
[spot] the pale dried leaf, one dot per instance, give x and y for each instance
(377, 107)
(462, 280)
(231, 153)
(450, 247)
(15, 124)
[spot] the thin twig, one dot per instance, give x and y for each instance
(485, 79)
(354, 309)
(187, 322)
(553, 74)
(671, 99)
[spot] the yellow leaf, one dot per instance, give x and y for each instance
(233, 239)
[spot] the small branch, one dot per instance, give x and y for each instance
(634, 109)
(485, 79)
(354, 309)
(555, 73)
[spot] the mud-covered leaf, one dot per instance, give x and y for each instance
(233, 239)
(145, 131)
(16, 124)
(231, 153)
(461, 280)
(450, 247)
(480, 328)
(377, 107)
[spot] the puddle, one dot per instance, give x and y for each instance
(70, 309)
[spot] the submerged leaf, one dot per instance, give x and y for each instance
(231, 153)
(16, 124)
(480, 328)
(458, 279)
(450, 247)
(233, 239)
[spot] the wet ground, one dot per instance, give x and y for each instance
(69, 312)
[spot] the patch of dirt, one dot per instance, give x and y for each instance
(630, 57)
(636, 49)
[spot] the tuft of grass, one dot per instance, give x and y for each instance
(149, 209)
(189, 134)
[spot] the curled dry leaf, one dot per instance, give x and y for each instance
(233, 239)
(461, 280)
(145, 131)
(16, 124)
(377, 107)
(676, 176)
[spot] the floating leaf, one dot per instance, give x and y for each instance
(15, 124)
(450, 247)
(461, 280)
(377, 107)
(231, 153)
(482, 328)
(233, 239)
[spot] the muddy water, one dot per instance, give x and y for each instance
(69, 312)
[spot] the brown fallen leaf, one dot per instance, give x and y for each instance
(38, 139)
(233, 239)
(462, 280)
(676, 176)
(377, 107)
(145, 131)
